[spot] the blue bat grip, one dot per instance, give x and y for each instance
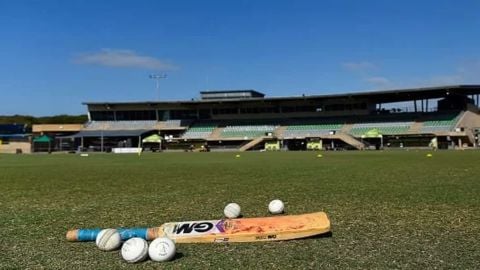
(87, 234)
(125, 233)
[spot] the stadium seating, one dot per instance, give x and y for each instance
(389, 128)
(441, 124)
(199, 131)
(248, 131)
(311, 130)
(173, 123)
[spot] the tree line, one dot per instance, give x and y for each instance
(32, 120)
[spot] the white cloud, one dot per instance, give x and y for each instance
(378, 81)
(366, 70)
(359, 66)
(123, 59)
(446, 79)
(468, 72)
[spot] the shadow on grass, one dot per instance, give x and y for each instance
(323, 235)
(178, 256)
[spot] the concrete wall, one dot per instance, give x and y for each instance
(11, 148)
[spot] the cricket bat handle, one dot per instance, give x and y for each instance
(85, 235)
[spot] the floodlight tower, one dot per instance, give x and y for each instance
(157, 78)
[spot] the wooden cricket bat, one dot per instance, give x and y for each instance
(273, 228)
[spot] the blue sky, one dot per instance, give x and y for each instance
(56, 54)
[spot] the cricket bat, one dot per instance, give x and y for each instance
(273, 228)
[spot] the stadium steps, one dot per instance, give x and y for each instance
(159, 125)
(350, 140)
(415, 128)
(346, 138)
(346, 128)
(462, 119)
(216, 134)
(471, 137)
(469, 119)
(251, 144)
(279, 131)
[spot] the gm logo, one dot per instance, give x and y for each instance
(187, 228)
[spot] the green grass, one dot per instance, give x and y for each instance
(388, 209)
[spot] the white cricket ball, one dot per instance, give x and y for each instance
(161, 249)
(232, 210)
(135, 250)
(276, 207)
(108, 239)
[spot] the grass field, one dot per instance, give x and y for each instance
(388, 209)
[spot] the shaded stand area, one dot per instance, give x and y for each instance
(373, 137)
(106, 140)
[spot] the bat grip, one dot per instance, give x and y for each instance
(83, 235)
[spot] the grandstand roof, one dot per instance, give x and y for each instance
(108, 133)
(383, 96)
(230, 94)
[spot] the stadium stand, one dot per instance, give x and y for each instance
(247, 131)
(199, 131)
(311, 129)
(443, 123)
(388, 128)
(247, 119)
